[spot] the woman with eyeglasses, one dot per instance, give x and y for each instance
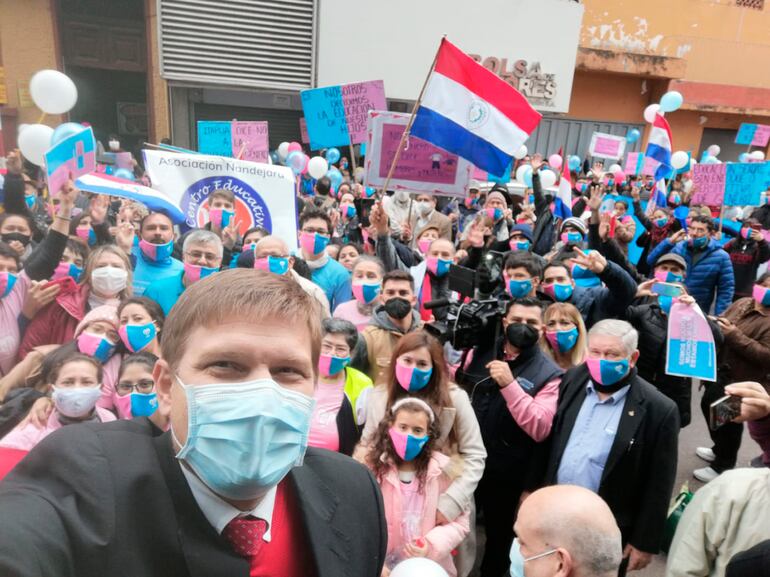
(135, 394)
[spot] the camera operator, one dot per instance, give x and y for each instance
(514, 400)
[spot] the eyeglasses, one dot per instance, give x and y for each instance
(336, 351)
(198, 255)
(144, 386)
(321, 231)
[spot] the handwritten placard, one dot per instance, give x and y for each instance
(225, 138)
(72, 157)
(745, 182)
(709, 184)
(421, 166)
(690, 349)
(607, 146)
(753, 134)
(637, 163)
(761, 136)
(337, 115)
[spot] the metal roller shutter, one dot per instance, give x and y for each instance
(258, 43)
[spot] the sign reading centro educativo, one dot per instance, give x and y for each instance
(538, 87)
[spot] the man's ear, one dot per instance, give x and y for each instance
(634, 358)
(291, 262)
(413, 300)
(164, 381)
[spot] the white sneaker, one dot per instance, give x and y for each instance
(706, 454)
(705, 474)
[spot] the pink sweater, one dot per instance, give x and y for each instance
(26, 437)
(442, 539)
(533, 414)
(10, 309)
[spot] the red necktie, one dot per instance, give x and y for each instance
(246, 535)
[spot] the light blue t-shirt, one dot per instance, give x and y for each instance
(334, 279)
(166, 292)
(147, 272)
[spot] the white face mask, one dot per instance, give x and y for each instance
(424, 208)
(75, 402)
(114, 144)
(109, 280)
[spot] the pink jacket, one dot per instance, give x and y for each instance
(442, 539)
(10, 309)
(27, 436)
(55, 323)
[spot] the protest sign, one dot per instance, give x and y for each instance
(637, 163)
(337, 115)
(607, 146)
(421, 166)
(303, 131)
(264, 193)
(709, 184)
(744, 183)
(224, 138)
(753, 134)
(75, 155)
(690, 350)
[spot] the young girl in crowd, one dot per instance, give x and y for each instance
(413, 477)
(367, 282)
(106, 280)
(342, 391)
(141, 322)
(418, 369)
(565, 335)
(75, 382)
(349, 254)
(135, 394)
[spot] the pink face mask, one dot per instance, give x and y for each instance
(123, 405)
(424, 245)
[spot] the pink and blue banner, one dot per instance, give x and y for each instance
(72, 157)
(690, 349)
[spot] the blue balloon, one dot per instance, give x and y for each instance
(710, 160)
(574, 163)
(65, 131)
(123, 173)
(335, 176)
(743, 157)
(633, 135)
(528, 177)
(274, 157)
(671, 101)
(332, 155)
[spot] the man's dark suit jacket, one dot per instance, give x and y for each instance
(641, 468)
(110, 499)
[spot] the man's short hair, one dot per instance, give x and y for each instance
(153, 213)
(244, 294)
(525, 260)
(312, 212)
(707, 220)
(205, 237)
(398, 275)
(323, 186)
(560, 264)
(617, 328)
(224, 194)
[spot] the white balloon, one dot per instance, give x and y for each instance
(20, 128)
(418, 567)
(687, 185)
(679, 159)
(614, 168)
(650, 112)
(316, 166)
(714, 150)
(520, 153)
(53, 92)
(359, 173)
(757, 155)
(34, 142)
(521, 171)
(283, 150)
(547, 178)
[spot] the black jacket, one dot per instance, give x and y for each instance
(111, 499)
(641, 468)
(652, 326)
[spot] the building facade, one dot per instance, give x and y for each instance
(150, 69)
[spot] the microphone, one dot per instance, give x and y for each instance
(436, 304)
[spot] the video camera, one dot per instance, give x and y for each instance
(467, 324)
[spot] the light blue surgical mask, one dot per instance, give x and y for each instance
(519, 288)
(518, 560)
(244, 438)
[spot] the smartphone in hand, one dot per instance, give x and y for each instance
(723, 411)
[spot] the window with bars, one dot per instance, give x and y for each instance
(756, 4)
(258, 43)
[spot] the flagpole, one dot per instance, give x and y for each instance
(408, 128)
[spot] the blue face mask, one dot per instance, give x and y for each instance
(519, 288)
(661, 222)
(565, 341)
(407, 446)
(559, 292)
(137, 337)
(243, 438)
(143, 404)
(518, 560)
(605, 372)
(700, 242)
(30, 201)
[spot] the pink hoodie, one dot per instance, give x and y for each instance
(26, 437)
(442, 539)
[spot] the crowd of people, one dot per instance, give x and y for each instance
(199, 365)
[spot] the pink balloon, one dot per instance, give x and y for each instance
(295, 146)
(306, 159)
(620, 176)
(555, 161)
